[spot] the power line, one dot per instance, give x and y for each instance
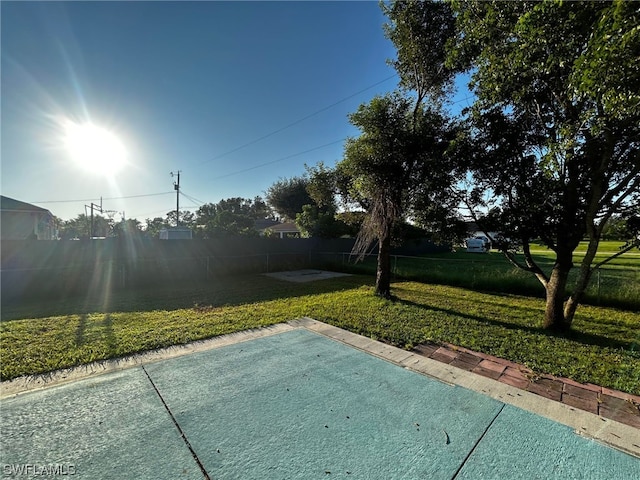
(278, 160)
(299, 120)
(306, 151)
(193, 199)
(103, 198)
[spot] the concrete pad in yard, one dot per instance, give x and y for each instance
(110, 426)
(302, 276)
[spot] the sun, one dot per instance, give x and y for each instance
(94, 148)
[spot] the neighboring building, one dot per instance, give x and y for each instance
(476, 234)
(480, 244)
(282, 230)
(176, 233)
(23, 221)
(263, 223)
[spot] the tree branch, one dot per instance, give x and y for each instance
(635, 243)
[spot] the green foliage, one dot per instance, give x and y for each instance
(556, 124)
(319, 218)
(287, 196)
(420, 31)
(322, 186)
(153, 226)
(229, 217)
(187, 219)
(398, 164)
(312, 222)
(128, 227)
(608, 69)
(80, 227)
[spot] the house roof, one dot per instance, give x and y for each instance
(283, 227)
(8, 204)
(261, 224)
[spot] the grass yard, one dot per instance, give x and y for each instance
(604, 347)
(616, 284)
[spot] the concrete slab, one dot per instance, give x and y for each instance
(521, 445)
(621, 436)
(301, 400)
(297, 405)
(302, 276)
(111, 426)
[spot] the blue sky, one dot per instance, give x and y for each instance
(190, 86)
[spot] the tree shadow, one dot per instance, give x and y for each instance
(81, 329)
(104, 331)
(573, 335)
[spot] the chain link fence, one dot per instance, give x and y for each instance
(99, 276)
(610, 286)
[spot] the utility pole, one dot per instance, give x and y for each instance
(97, 207)
(176, 187)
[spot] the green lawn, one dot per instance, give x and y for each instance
(617, 284)
(603, 349)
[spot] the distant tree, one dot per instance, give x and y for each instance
(287, 196)
(353, 220)
(320, 218)
(615, 229)
(128, 227)
(187, 219)
(317, 222)
(80, 227)
(231, 216)
(557, 126)
(153, 226)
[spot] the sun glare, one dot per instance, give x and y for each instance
(95, 149)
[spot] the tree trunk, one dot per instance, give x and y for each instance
(383, 273)
(584, 277)
(554, 318)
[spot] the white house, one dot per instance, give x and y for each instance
(23, 221)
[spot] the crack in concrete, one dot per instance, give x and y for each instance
(175, 422)
(477, 442)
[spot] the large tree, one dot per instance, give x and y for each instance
(557, 120)
(399, 159)
(287, 196)
(400, 153)
(231, 216)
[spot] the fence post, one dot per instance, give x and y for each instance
(473, 269)
(208, 267)
(267, 262)
(598, 294)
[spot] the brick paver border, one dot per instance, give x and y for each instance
(615, 405)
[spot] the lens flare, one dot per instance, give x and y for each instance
(95, 149)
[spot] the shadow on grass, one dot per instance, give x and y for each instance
(573, 335)
(87, 331)
(218, 292)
